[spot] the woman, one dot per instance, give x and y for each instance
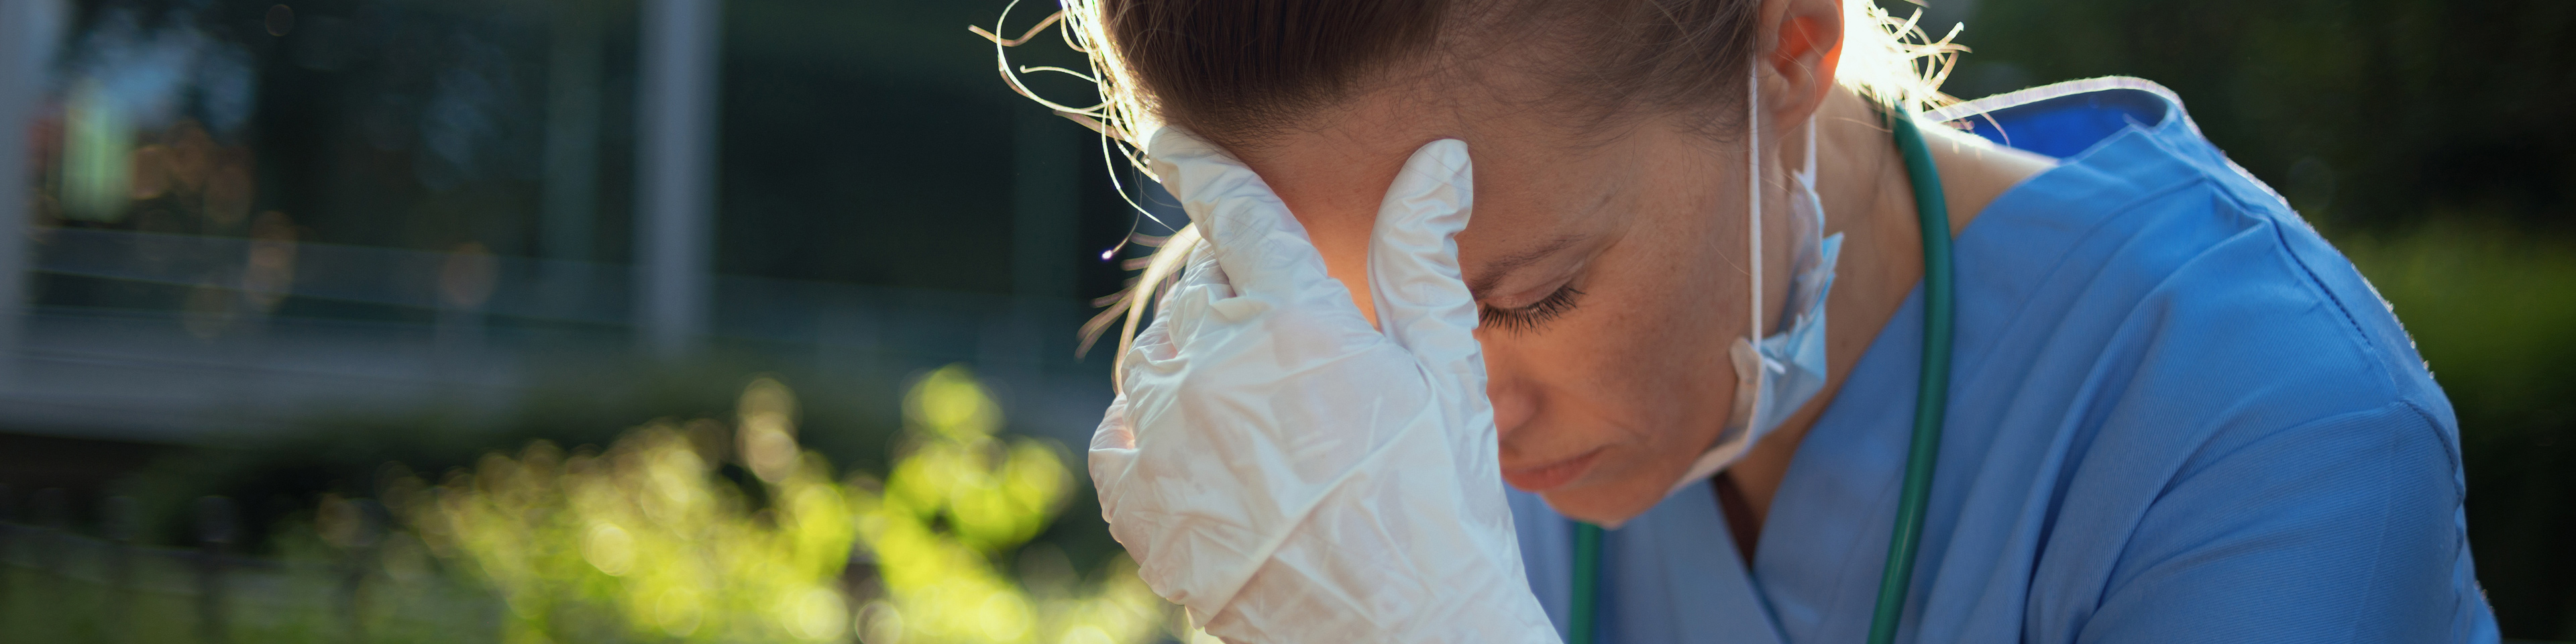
(1660, 265)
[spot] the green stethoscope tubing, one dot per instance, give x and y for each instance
(1931, 404)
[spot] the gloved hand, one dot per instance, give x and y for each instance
(1291, 473)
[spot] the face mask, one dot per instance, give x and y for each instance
(1779, 373)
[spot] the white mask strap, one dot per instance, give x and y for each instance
(1799, 358)
(1811, 146)
(1753, 188)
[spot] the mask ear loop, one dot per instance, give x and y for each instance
(1745, 354)
(1753, 190)
(1811, 147)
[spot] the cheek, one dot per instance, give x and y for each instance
(1638, 373)
(1631, 369)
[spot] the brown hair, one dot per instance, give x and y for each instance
(1233, 70)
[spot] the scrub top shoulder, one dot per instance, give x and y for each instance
(2176, 415)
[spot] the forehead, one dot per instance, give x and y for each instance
(1541, 185)
(1534, 201)
(1546, 195)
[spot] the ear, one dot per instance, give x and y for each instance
(1806, 43)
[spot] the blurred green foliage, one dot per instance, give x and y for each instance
(960, 497)
(647, 540)
(342, 450)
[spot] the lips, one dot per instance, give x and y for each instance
(1550, 476)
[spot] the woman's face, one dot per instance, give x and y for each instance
(1609, 266)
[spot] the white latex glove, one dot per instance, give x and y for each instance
(1287, 471)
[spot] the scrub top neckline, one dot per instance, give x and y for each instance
(2098, 108)
(2094, 112)
(2100, 439)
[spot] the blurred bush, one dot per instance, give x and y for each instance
(648, 540)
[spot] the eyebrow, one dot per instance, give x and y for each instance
(1505, 265)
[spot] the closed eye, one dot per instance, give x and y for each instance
(1533, 317)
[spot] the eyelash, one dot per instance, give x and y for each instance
(1533, 317)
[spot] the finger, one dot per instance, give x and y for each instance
(1113, 454)
(1262, 247)
(1182, 314)
(1200, 296)
(1114, 432)
(1422, 304)
(1152, 345)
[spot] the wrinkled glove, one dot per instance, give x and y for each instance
(1291, 473)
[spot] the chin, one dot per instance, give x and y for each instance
(1608, 504)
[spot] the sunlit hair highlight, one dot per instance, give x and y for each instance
(1887, 60)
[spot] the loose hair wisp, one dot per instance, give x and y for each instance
(1885, 59)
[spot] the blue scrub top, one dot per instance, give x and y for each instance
(2176, 415)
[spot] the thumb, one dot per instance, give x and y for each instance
(1259, 243)
(1422, 304)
